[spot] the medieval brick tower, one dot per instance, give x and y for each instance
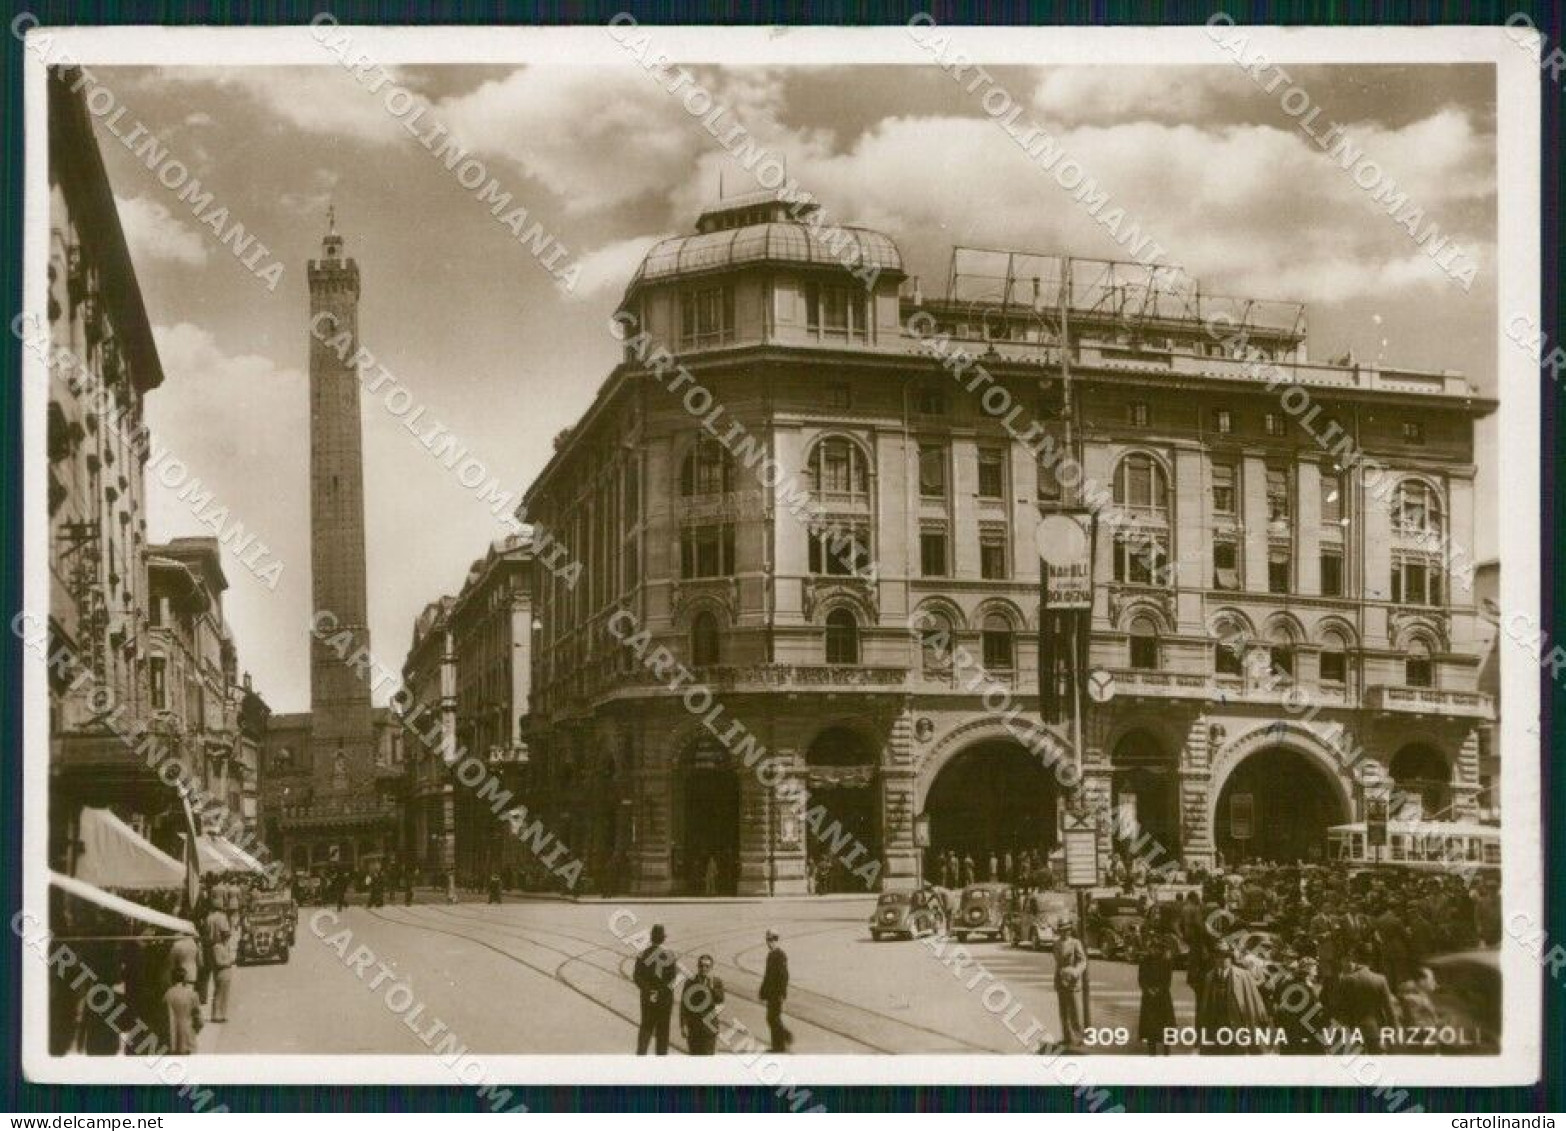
(339, 697)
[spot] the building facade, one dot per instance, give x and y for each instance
(843, 519)
(466, 687)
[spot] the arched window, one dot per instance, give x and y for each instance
(1334, 658)
(706, 643)
(1231, 639)
(842, 637)
(708, 469)
(1419, 666)
(839, 471)
(935, 642)
(1140, 484)
(996, 636)
(1417, 510)
(1280, 651)
(1144, 644)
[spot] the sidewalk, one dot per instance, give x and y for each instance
(438, 895)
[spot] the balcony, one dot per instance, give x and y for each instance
(1138, 683)
(1430, 701)
(803, 677)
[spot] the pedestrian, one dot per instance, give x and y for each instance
(1362, 1000)
(1008, 873)
(184, 962)
(494, 887)
(654, 977)
(340, 883)
(710, 882)
(1070, 966)
(967, 869)
(992, 868)
(1154, 972)
(184, 1012)
(220, 943)
(699, 1005)
(1232, 1002)
(774, 989)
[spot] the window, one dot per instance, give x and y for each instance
(932, 471)
(1419, 668)
(997, 643)
(706, 316)
(1332, 573)
(707, 551)
(1139, 483)
(1334, 659)
(839, 469)
(836, 312)
(1223, 488)
(1332, 499)
(839, 549)
(157, 669)
(931, 400)
(992, 555)
(1277, 494)
(1415, 582)
(992, 473)
(932, 551)
(1280, 652)
(1413, 432)
(1417, 509)
(708, 470)
(1278, 571)
(154, 606)
(1229, 653)
(1274, 423)
(1226, 565)
(705, 642)
(1223, 421)
(935, 642)
(1138, 414)
(842, 637)
(1141, 559)
(1144, 644)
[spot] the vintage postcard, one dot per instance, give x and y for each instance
(662, 554)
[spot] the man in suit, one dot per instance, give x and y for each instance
(699, 1002)
(774, 988)
(654, 977)
(1362, 999)
(1070, 965)
(184, 1015)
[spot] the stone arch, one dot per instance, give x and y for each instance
(1141, 607)
(1339, 626)
(1407, 630)
(942, 606)
(1040, 743)
(1003, 607)
(1288, 736)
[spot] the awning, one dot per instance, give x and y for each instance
(247, 862)
(111, 902)
(114, 855)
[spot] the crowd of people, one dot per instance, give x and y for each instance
(1026, 867)
(1317, 953)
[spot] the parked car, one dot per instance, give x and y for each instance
(268, 929)
(1034, 915)
(910, 914)
(1114, 927)
(1468, 994)
(982, 911)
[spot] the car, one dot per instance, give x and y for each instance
(909, 914)
(982, 911)
(1468, 994)
(1034, 916)
(268, 929)
(1114, 927)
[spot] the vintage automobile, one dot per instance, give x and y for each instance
(269, 928)
(982, 911)
(1114, 927)
(909, 914)
(1033, 915)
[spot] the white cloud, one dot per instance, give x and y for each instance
(610, 267)
(1099, 95)
(152, 231)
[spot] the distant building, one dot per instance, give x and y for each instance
(1260, 558)
(465, 688)
(1487, 596)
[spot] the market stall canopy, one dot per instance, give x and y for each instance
(114, 855)
(108, 901)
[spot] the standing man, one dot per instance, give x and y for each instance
(774, 988)
(1070, 964)
(220, 943)
(494, 887)
(654, 977)
(699, 1004)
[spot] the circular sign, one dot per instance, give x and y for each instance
(1061, 540)
(1100, 685)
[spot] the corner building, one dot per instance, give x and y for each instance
(1260, 558)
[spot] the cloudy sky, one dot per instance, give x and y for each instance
(608, 161)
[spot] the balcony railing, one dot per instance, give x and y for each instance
(802, 677)
(1161, 685)
(1429, 701)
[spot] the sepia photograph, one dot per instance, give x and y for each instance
(914, 554)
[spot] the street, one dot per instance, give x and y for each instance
(545, 976)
